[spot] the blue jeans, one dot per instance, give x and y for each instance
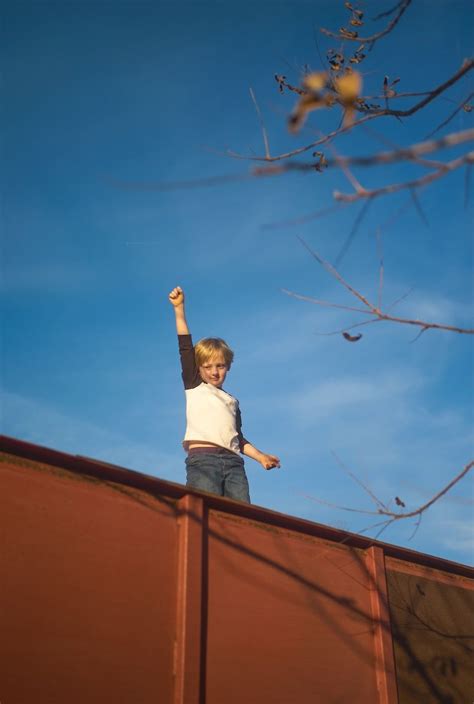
(217, 473)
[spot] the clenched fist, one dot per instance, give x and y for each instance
(176, 297)
(269, 461)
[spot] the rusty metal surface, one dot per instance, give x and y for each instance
(285, 612)
(87, 591)
(115, 586)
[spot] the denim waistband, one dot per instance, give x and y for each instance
(210, 450)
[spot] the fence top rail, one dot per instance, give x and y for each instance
(106, 472)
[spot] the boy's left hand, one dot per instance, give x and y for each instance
(269, 461)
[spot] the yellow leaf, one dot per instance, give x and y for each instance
(303, 107)
(315, 81)
(349, 86)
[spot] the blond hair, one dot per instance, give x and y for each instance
(208, 347)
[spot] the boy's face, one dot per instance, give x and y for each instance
(214, 370)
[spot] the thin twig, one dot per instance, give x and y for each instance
(304, 218)
(329, 268)
(386, 13)
(381, 506)
(323, 502)
(418, 335)
(418, 207)
(381, 268)
(451, 116)
(402, 6)
(400, 299)
(327, 304)
(467, 183)
(262, 124)
(179, 185)
(417, 525)
(350, 237)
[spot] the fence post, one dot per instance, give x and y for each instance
(383, 643)
(188, 645)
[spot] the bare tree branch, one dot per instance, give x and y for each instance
(430, 96)
(370, 308)
(393, 516)
(418, 511)
(381, 506)
(416, 183)
(411, 153)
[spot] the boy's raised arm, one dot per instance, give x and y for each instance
(176, 298)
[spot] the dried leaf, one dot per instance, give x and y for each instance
(357, 58)
(321, 163)
(399, 502)
(347, 34)
(351, 338)
(280, 80)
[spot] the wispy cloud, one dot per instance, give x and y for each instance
(29, 278)
(338, 394)
(429, 306)
(458, 534)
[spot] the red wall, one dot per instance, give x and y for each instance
(116, 587)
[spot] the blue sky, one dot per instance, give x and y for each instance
(102, 93)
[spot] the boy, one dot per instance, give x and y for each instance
(213, 436)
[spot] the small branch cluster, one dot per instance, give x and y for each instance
(383, 509)
(324, 93)
(356, 21)
(374, 311)
(340, 85)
